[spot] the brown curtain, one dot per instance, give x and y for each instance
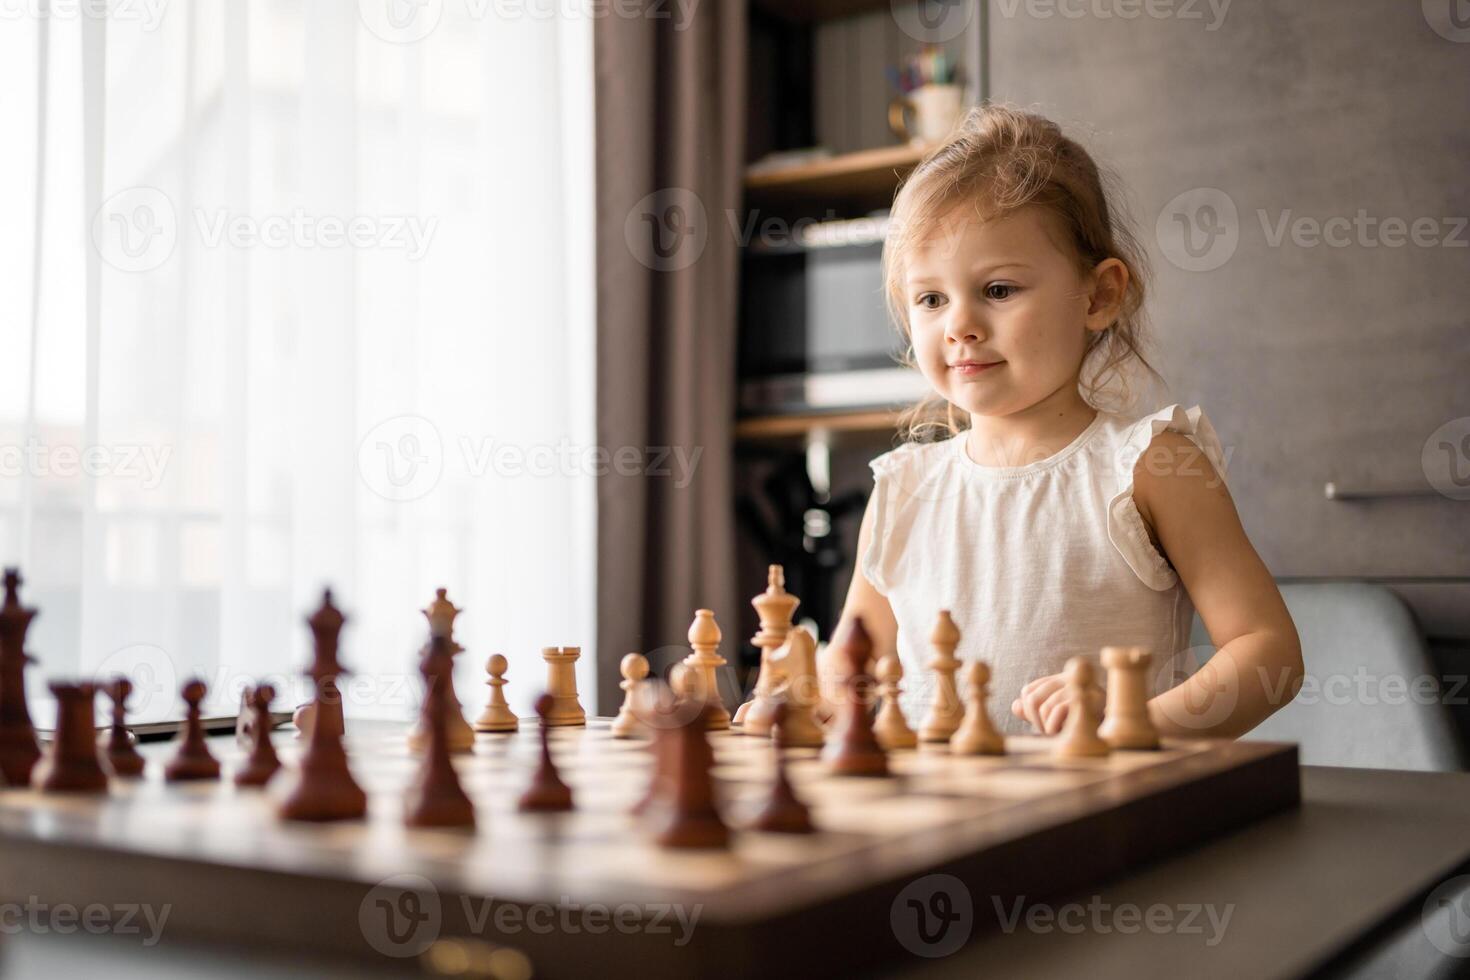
(670, 117)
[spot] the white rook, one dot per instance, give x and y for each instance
(561, 684)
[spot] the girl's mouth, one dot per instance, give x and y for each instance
(967, 369)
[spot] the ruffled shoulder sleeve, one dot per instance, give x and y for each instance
(1126, 527)
(902, 478)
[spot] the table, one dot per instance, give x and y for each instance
(1329, 886)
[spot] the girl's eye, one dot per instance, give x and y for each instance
(931, 301)
(999, 290)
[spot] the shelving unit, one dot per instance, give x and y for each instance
(868, 178)
(816, 77)
(786, 426)
(807, 11)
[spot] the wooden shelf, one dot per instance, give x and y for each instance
(868, 176)
(785, 426)
(805, 11)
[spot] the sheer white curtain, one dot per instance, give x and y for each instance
(297, 294)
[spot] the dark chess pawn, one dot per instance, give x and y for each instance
(547, 792)
(783, 812)
(122, 753)
(852, 747)
(72, 764)
(655, 700)
(687, 816)
(193, 759)
(436, 798)
(262, 763)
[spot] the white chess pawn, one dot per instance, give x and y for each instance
(1079, 738)
(977, 735)
(1126, 724)
(497, 716)
(890, 726)
(304, 719)
(634, 669)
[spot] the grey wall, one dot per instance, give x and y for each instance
(1315, 363)
(851, 91)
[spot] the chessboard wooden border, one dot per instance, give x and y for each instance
(813, 925)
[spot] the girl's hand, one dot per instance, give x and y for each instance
(1044, 703)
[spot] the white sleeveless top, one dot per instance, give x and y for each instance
(1037, 563)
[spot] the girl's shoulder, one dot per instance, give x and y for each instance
(914, 463)
(1127, 438)
(1126, 443)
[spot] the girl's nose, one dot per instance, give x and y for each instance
(962, 326)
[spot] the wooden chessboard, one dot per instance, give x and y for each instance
(1020, 825)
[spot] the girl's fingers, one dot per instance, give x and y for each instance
(1054, 711)
(1032, 701)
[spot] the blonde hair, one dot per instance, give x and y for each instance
(1000, 159)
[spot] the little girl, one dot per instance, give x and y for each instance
(1050, 528)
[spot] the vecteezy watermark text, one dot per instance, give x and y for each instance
(122, 919)
(1200, 229)
(402, 916)
(402, 458)
(408, 233)
(410, 21)
(148, 14)
(145, 464)
(1103, 917)
(137, 230)
(1186, 10)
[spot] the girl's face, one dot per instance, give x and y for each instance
(999, 313)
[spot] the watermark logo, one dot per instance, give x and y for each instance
(402, 458)
(410, 21)
(1446, 459)
(1103, 918)
(148, 14)
(150, 670)
(1362, 688)
(1206, 698)
(1199, 229)
(1210, 12)
(142, 464)
(932, 21)
(400, 21)
(933, 916)
(1362, 230)
(136, 229)
(401, 915)
(406, 233)
(1450, 19)
(123, 919)
(1445, 917)
(667, 230)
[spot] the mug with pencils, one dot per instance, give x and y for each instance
(935, 110)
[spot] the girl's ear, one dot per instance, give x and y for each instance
(1105, 300)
